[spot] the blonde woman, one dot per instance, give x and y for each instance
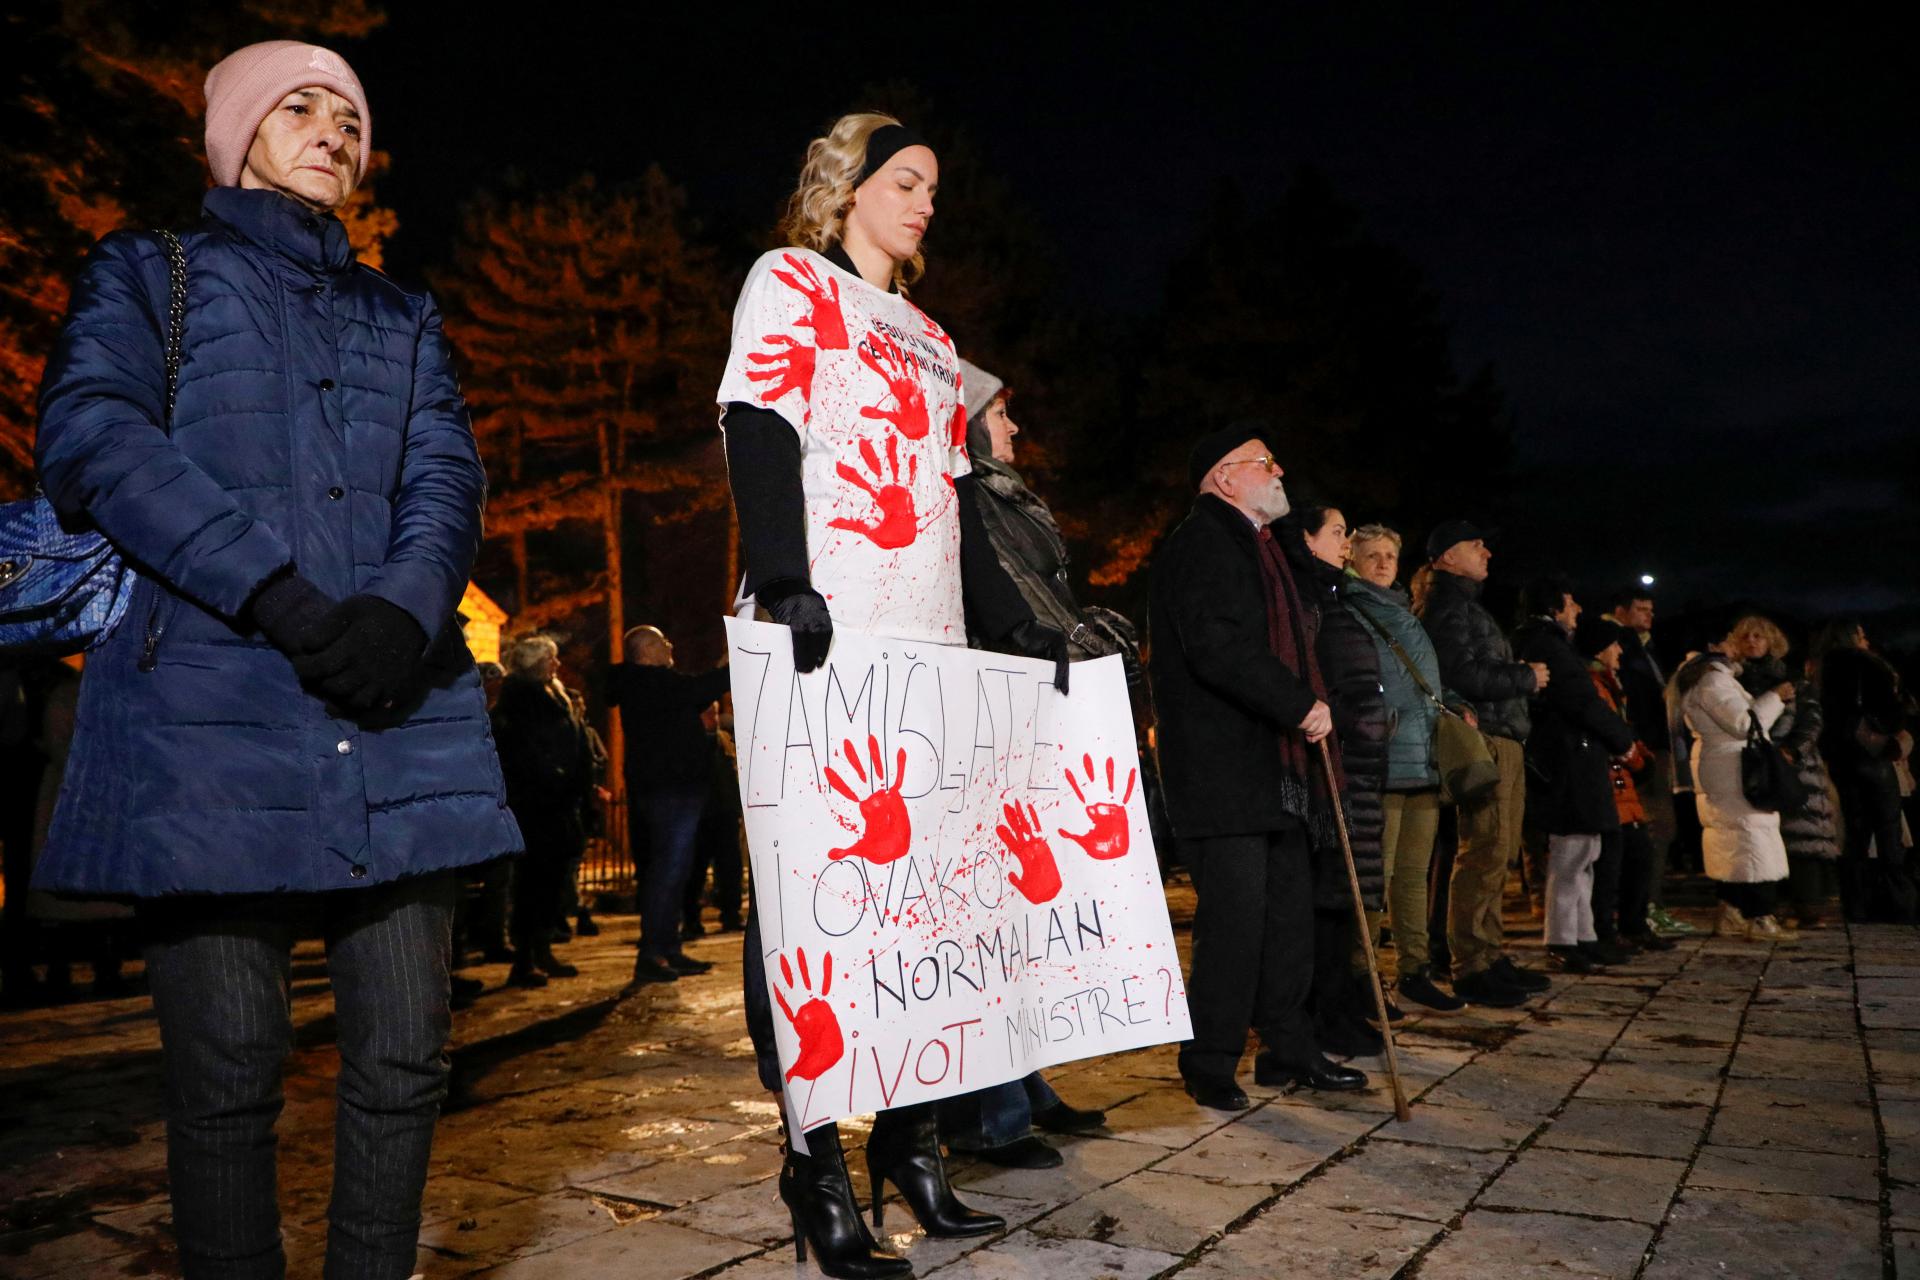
(846, 449)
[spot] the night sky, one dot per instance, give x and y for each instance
(1687, 245)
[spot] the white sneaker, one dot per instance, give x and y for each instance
(1768, 929)
(1731, 923)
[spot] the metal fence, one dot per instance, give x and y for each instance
(607, 866)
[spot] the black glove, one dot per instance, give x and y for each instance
(799, 608)
(289, 611)
(367, 656)
(1038, 640)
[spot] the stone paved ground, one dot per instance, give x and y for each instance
(1724, 1110)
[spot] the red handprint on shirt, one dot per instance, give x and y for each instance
(789, 368)
(1038, 879)
(932, 330)
(825, 319)
(817, 1025)
(886, 357)
(898, 524)
(888, 830)
(957, 429)
(1108, 835)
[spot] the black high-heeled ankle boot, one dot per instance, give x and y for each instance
(819, 1195)
(904, 1148)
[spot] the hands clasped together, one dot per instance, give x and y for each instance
(363, 654)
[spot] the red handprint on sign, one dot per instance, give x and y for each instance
(789, 368)
(909, 415)
(1038, 879)
(817, 1025)
(898, 524)
(825, 319)
(1107, 837)
(888, 830)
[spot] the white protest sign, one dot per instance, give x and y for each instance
(955, 880)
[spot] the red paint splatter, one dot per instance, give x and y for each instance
(824, 316)
(898, 524)
(817, 1025)
(889, 831)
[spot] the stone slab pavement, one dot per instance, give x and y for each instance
(1724, 1109)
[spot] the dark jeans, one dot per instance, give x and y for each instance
(996, 1115)
(219, 969)
(1750, 900)
(1339, 996)
(673, 822)
(1252, 951)
(716, 847)
(1637, 868)
(1606, 887)
(1877, 887)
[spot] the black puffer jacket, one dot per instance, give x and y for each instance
(1350, 665)
(1475, 659)
(1575, 737)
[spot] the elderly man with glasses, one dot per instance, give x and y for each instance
(1242, 712)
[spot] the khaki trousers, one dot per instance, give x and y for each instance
(1489, 841)
(1413, 818)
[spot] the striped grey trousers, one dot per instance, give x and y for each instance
(219, 968)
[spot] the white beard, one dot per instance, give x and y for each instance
(1277, 507)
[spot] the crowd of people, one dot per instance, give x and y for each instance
(288, 734)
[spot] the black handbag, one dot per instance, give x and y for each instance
(1767, 777)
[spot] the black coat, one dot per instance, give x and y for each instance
(1646, 691)
(1575, 737)
(1350, 668)
(1221, 699)
(544, 752)
(1476, 661)
(1857, 688)
(667, 746)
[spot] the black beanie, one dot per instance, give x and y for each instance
(1595, 633)
(1215, 445)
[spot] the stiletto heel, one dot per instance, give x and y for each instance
(821, 1204)
(904, 1149)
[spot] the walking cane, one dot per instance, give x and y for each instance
(1400, 1109)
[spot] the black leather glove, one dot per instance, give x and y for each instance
(289, 611)
(368, 654)
(1034, 639)
(799, 608)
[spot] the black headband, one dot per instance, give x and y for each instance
(883, 144)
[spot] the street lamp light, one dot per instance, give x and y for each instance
(1646, 579)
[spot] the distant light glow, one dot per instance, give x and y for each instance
(1646, 579)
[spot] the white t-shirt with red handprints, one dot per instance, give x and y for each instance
(873, 387)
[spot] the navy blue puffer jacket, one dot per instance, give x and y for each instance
(318, 424)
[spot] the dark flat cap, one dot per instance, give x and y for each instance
(1215, 445)
(1448, 532)
(1595, 632)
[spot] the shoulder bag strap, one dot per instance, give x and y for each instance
(176, 314)
(1398, 652)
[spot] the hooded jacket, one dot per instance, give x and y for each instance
(318, 424)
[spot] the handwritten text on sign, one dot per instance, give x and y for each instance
(955, 879)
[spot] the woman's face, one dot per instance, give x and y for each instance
(1001, 426)
(894, 207)
(308, 147)
(1331, 543)
(1752, 645)
(1377, 560)
(1610, 657)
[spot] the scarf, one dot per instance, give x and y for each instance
(1292, 628)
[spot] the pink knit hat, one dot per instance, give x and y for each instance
(245, 85)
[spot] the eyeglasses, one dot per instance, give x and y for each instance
(1266, 461)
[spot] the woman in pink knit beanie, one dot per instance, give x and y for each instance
(288, 117)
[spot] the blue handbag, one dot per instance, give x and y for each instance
(63, 588)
